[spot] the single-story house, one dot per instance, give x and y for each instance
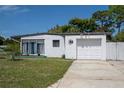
(71, 45)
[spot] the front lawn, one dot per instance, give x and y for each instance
(32, 72)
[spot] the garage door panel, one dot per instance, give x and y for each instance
(89, 49)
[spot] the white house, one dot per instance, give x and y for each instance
(72, 45)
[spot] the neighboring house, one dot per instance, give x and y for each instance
(73, 45)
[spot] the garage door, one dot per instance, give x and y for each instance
(89, 49)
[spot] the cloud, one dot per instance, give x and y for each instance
(24, 10)
(8, 8)
(13, 9)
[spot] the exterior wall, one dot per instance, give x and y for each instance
(115, 50)
(71, 49)
(50, 51)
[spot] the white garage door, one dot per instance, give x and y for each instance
(89, 49)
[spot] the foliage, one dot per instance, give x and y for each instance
(76, 22)
(87, 25)
(8, 41)
(2, 53)
(119, 37)
(2, 40)
(75, 25)
(104, 20)
(12, 49)
(101, 21)
(32, 72)
(117, 12)
(63, 29)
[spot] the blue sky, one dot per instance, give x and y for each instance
(16, 20)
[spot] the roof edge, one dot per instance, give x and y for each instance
(63, 34)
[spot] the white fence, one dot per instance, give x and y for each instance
(115, 50)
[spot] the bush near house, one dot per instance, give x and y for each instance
(12, 49)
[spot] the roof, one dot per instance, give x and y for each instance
(63, 34)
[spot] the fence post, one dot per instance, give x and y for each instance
(116, 50)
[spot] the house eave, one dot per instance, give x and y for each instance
(62, 34)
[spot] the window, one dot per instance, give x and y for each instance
(55, 43)
(25, 48)
(32, 47)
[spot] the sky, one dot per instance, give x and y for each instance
(19, 20)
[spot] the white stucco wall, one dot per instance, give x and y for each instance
(71, 51)
(50, 51)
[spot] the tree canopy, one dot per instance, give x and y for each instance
(87, 25)
(100, 21)
(104, 20)
(117, 13)
(64, 29)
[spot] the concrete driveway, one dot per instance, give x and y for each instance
(93, 74)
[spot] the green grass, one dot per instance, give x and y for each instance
(28, 73)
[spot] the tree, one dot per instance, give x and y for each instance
(8, 41)
(12, 49)
(104, 20)
(117, 12)
(101, 21)
(63, 29)
(119, 37)
(87, 25)
(2, 40)
(69, 29)
(56, 29)
(77, 23)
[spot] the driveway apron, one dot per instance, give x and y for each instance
(91, 74)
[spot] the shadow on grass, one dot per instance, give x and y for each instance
(18, 59)
(2, 57)
(15, 60)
